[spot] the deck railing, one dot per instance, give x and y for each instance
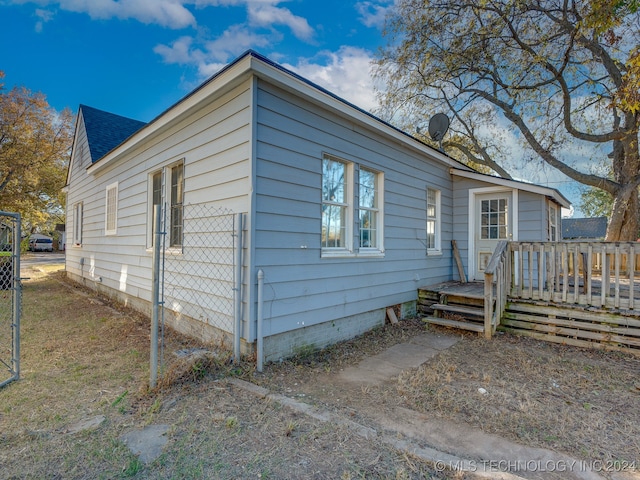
(599, 274)
(498, 274)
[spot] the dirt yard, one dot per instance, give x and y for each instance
(83, 358)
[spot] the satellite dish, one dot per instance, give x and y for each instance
(438, 126)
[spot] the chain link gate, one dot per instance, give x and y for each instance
(10, 297)
(198, 287)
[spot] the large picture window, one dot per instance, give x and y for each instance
(111, 210)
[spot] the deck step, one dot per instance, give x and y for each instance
(445, 322)
(475, 312)
(474, 296)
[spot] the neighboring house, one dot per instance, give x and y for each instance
(592, 229)
(344, 214)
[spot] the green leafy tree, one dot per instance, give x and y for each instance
(561, 76)
(595, 202)
(35, 142)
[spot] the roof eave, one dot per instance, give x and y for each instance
(529, 187)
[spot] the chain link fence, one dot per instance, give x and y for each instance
(198, 279)
(10, 297)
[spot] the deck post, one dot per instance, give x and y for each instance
(488, 304)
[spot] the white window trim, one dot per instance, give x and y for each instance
(437, 249)
(377, 251)
(150, 204)
(352, 202)
(347, 250)
(114, 230)
(553, 221)
(77, 224)
(165, 203)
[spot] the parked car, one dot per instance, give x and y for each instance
(41, 244)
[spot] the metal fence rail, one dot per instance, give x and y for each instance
(10, 297)
(197, 273)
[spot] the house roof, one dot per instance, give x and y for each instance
(252, 63)
(105, 130)
(594, 228)
(527, 187)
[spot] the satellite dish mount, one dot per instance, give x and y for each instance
(438, 126)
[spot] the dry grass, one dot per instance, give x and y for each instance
(581, 402)
(84, 357)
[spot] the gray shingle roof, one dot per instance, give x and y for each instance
(584, 228)
(105, 130)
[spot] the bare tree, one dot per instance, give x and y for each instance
(557, 75)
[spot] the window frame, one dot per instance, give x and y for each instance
(111, 210)
(150, 203)
(436, 219)
(352, 208)
(377, 210)
(178, 206)
(553, 223)
(77, 223)
(346, 205)
(168, 209)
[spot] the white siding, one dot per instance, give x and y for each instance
(213, 142)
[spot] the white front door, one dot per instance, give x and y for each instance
(493, 222)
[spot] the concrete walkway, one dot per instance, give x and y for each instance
(447, 445)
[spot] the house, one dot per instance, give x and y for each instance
(584, 229)
(341, 215)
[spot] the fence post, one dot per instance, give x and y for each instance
(260, 340)
(17, 294)
(238, 288)
(155, 294)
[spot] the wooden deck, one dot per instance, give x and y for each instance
(461, 305)
(454, 304)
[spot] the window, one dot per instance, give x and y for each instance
(553, 223)
(77, 224)
(493, 218)
(165, 188)
(177, 199)
(111, 215)
(433, 220)
(155, 198)
(341, 225)
(336, 210)
(369, 211)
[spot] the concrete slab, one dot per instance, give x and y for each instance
(435, 341)
(147, 443)
(389, 364)
(86, 424)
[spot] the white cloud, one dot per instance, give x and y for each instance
(167, 13)
(372, 14)
(44, 16)
(263, 14)
(346, 74)
(179, 52)
(235, 40)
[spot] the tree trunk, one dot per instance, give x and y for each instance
(623, 224)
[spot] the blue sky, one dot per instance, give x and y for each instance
(138, 57)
